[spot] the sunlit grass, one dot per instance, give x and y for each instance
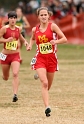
(66, 93)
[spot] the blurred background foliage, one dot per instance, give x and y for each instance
(11, 4)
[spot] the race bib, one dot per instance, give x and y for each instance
(33, 61)
(3, 56)
(45, 48)
(11, 45)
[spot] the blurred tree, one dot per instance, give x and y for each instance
(11, 4)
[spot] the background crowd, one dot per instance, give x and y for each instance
(60, 8)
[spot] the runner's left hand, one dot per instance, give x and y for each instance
(29, 47)
(53, 42)
(26, 44)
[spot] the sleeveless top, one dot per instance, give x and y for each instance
(20, 23)
(43, 40)
(12, 33)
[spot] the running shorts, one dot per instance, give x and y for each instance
(11, 58)
(47, 61)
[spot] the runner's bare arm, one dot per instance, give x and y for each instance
(27, 25)
(32, 39)
(57, 30)
(23, 40)
(2, 32)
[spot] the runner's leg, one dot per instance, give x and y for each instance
(15, 69)
(43, 78)
(50, 77)
(5, 71)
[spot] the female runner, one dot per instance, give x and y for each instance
(10, 54)
(23, 23)
(45, 61)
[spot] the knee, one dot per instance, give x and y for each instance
(15, 75)
(44, 84)
(5, 78)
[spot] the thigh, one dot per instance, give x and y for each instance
(40, 62)
(42, 74)
(5, 69)
(15, 65)
(50, 77)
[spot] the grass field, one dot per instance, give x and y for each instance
(66, 93)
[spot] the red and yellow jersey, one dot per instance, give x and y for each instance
(11, 33)
(43, 40)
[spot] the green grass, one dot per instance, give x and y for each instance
(71, 52)
(66, 93)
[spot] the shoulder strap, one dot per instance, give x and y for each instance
(37, 28)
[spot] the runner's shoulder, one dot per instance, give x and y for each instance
(3, 29)
(18, 27)
(33, 29)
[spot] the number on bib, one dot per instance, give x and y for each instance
(33, 61)
(3, 56)
(11, 45)
(45, 48)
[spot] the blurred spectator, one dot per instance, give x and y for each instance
(22, 5)
(60, 8)
(55, 7)
(81, 6)
(34, 4)
(29, 9)
(44, 3)
(2, 12)
(76, 2)
(73, 9)
(65, 9)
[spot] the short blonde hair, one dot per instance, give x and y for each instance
(44, 8)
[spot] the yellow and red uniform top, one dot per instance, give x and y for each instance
(15, 33)
(43, 40)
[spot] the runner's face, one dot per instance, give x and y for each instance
(12, 21)
(43, 16)
(19, 12)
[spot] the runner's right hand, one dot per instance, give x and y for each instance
(9, 39)
(29, 47)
